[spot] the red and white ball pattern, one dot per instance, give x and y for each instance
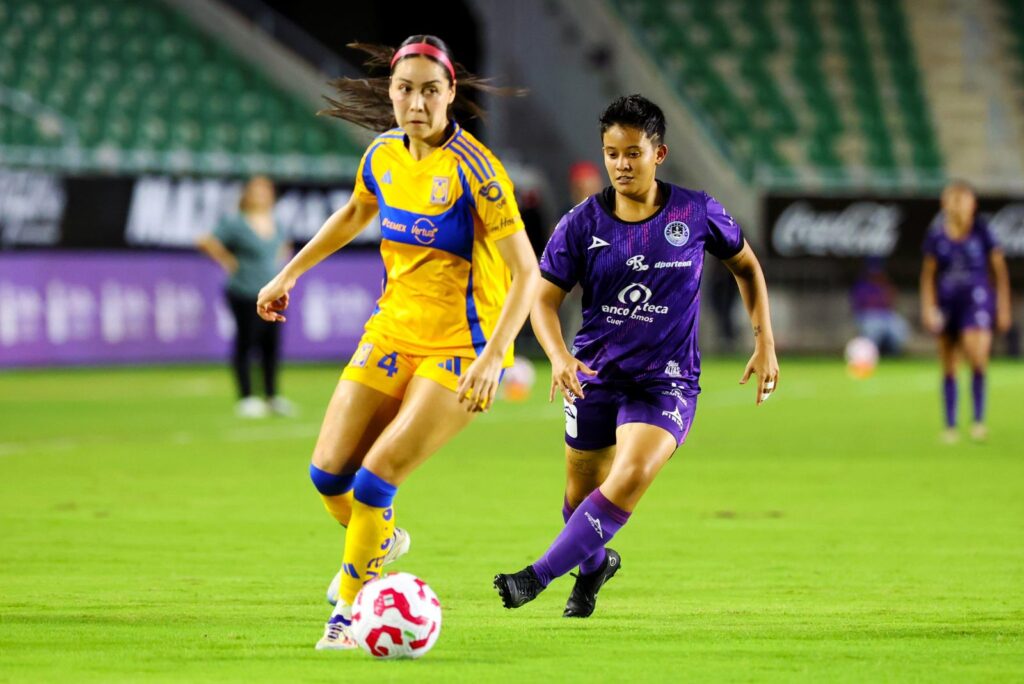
(396, 616)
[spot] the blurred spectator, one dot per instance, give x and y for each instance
(723, 294)
(585, 179)
(248, 246)
(872, 299)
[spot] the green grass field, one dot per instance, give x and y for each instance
(148, 535)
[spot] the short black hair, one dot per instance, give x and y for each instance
(636, 111)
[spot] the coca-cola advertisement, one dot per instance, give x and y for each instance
(838, 233)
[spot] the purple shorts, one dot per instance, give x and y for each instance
(590, 423)
(974, 311)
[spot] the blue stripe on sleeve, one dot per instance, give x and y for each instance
(460, 144)
(474, 148)
(463, 157)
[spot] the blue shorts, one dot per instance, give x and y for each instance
(973, 311)
(590, 423)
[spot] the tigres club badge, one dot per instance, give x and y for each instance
(439, 190)
(362, 355)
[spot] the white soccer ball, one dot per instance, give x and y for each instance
(519, 379)
(396, 616)
(861, 357)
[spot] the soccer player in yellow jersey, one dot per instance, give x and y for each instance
(460, 280)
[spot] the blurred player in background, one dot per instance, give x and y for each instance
(873, 300)
(249, 246)
(630, 383)
(460, 280)
(964, 286)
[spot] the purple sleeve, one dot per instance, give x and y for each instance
(987, 238)
(928, 246)
(560, 263)
(725, 237)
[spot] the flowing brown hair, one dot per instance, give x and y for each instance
(365, 101)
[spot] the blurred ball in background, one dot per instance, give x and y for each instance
(861, 357)
(519, 380)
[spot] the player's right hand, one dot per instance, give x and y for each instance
(931, 319)
(273, 299)
(565, 380)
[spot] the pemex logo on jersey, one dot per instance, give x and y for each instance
(635, 299)
(677, 233)
(636, 263)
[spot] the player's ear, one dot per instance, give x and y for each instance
(660, 153)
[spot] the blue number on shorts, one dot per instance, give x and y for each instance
(389, 363)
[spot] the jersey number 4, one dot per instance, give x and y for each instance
(389, 363)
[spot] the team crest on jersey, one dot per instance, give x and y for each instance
(439, 190)
(677, 233)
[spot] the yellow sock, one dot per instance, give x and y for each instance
(366, 541)
(339, 506)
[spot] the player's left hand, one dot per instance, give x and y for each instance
(479, 384)
(1003, 320)
(765, 366)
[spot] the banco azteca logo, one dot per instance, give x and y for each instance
(634, 293)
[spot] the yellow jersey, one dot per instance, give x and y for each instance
(445, 282)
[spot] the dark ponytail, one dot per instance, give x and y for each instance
(365, 101)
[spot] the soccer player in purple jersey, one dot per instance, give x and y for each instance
(962, 262)
(630, 383)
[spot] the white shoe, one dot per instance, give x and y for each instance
(979, 433)
(400, 542)
(338, 631)
(280, 406)
(949, 436)
(251, 407)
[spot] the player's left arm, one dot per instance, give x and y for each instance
(1001, 278)
(479, 383)
(750, 279)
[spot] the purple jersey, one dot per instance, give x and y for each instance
(641, 284)
(962, 274)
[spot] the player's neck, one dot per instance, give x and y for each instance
(420, 148)
(957, 230)
(636, 208)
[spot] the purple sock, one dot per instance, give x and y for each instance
(594, 562)
(978, 389)
(590, 527)
(949, 393)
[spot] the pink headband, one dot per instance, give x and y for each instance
(427, 50)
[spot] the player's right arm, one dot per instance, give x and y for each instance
(931, 316)
(337, 231)
(212, 247)
(548, 329)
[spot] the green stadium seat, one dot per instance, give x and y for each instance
(135, 75)
(751, 110)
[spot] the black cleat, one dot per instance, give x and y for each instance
(583, 598)
(519, 588)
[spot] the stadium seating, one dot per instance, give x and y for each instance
(791, 86)
(125, 79)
